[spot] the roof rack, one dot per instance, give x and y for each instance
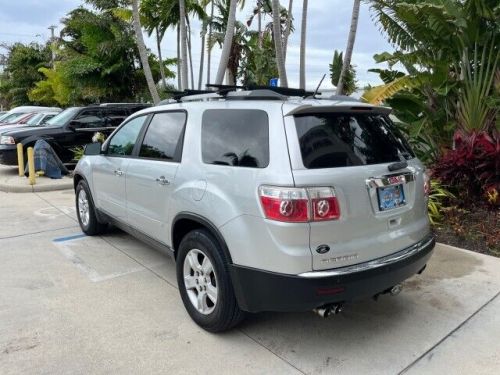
(285, 91)
(117, 104)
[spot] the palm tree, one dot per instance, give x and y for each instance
(143, 53)
(209, 49)
(183, 45)
(278, 43)
(288, 28)
(303, 46)
(228, 40)
(350, 46)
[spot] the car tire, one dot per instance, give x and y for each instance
(85, 211)
(202, 273)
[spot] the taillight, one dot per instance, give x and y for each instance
(284, 204)
(427, 185)
(324, 204)
(299, 205)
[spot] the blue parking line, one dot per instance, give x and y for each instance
(69, 238)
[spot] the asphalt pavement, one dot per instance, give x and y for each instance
(72, 304)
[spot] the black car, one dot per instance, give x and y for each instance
(73, 127)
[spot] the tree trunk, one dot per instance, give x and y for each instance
(350, 45)
(179, 70)
(278, 44)
(190, 52)
(228, 41)
(183, 42)
(209, 50)
(287, 31)
(259, 22)
(303, 37)
(143, 53)
(202, 52)
(162, 68)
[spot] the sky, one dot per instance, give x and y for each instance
(327, 30)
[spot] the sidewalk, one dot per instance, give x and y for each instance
(10, 182)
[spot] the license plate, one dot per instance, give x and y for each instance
(390, 197)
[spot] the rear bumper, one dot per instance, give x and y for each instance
(258, 290)
(8, 155)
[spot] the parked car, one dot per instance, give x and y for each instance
(266, 203)
(38, 119)
(73, 127)
(21, 110)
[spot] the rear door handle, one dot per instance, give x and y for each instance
(162, 180)
(118, 172)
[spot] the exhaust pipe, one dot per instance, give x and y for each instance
(328, 310)
(396, 289)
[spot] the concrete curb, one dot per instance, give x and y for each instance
(21, 185)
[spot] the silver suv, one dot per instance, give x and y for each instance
(266, 202)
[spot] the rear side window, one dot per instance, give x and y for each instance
(235, 137)
(329, 140)
(164, 136)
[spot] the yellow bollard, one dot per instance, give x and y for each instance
(31, 166)
(20, 159)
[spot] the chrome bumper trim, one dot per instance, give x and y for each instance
(376, 263)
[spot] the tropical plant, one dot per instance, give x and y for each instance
(22, 71)
(336, 66)
(472, 166)
(445, 86)
(258, 64)
(439, 199)
(346, 66)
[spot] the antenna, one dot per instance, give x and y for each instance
(319, 85)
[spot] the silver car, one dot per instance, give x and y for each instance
(266, 202)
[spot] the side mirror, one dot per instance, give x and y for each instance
(92, 149)
(73, 125)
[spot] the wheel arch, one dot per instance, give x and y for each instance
(185, 222)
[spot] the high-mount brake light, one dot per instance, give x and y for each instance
(299, 205)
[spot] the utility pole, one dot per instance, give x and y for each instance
(52, 44)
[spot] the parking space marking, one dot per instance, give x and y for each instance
(69, 238)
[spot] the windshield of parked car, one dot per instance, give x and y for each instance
(330, 140)
(62, 118)
(12, 117)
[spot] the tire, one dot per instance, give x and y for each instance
(213, 316)
(85, 211)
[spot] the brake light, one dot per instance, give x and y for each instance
(299, 205)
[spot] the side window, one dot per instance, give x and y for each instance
(163, 139)
(90, 118)
(123, 141)
(235, 137)
(114, 116)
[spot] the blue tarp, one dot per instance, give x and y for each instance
(46, 160)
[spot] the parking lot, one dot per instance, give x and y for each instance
(109, 304)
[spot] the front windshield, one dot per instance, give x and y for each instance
(62, 118)
(34, 120)
(12, 117)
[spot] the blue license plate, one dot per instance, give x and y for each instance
(390, 197)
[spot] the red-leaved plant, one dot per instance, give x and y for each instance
(473, 166)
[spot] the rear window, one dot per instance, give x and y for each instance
(235, 137)
(330, 140)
